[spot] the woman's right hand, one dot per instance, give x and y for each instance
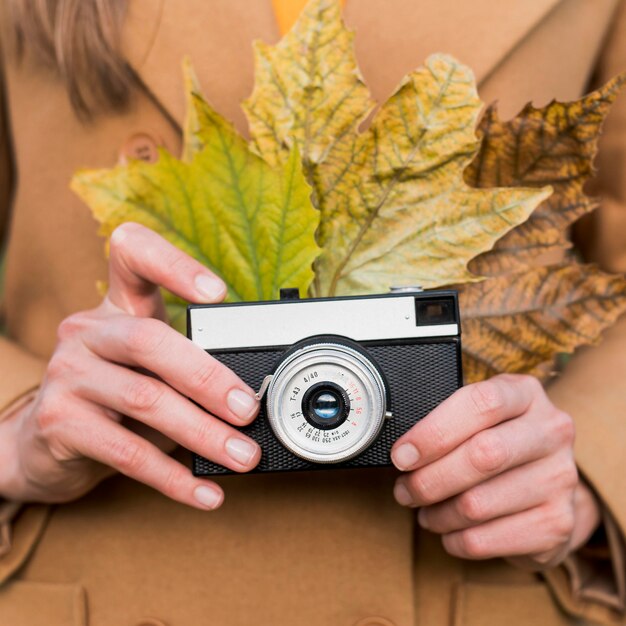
(119, 361)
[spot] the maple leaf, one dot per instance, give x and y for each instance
(407, 194)
(394, 206)
(554, 145)
(518, 323)
(251, 224)
(520, 318)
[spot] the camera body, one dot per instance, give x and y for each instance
(341, 378)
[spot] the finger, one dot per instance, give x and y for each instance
(539, 530)
(486, 454)
(157, 405)
(96, 437)
(517, 490)
(151, 344)
(141, 261)
(466, 412)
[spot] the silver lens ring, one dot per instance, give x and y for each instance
(337, 365)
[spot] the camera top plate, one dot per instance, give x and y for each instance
(245, 325)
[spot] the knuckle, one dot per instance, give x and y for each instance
(59, 365)
(532, 383)
(127, 455)
(473, 543)
(567, 473)
(118, 241)
(437, 439)
(563, 524)
(144, 396)
(204, 376)
(49, 411)
(145, 337)
(421, 488)
(172, 482)
(70, 327)
(487, 452)
(471, 507)
(205, 434)
(176, 263)
(564, 428)
(487, 397)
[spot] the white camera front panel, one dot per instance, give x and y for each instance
(284, 323)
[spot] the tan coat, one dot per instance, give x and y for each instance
(321, 549)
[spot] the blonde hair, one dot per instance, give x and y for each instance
(79, 39)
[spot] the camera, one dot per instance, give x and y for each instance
(339, 379)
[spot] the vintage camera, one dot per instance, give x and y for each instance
(341, 378)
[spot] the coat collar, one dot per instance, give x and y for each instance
(217, 36)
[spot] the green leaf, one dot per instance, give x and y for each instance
(251, 224)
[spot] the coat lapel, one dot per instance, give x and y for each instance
(393, 37)
(216, 34)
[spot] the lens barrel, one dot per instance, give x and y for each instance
(327, 400)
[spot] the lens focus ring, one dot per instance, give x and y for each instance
(326, 402)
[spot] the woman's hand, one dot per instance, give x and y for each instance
(122, 359)
(493, 471)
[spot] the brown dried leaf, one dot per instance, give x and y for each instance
(518, 323)
(553, 145)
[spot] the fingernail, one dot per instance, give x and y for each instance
(405, 457)
(208, 497)
(209, 287)
(402, 495)
(240, 450)
(421, 518)
(242, 404)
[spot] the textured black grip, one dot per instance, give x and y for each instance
(420, 376)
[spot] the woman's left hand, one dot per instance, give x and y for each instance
(493, 471)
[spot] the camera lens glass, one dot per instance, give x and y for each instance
(325, 405)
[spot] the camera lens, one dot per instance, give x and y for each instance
(326, 400)
(325, 405)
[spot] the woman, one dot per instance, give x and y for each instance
(303, 548)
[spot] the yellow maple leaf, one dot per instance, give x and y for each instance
(394, 206)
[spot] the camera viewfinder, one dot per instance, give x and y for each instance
(434, 311)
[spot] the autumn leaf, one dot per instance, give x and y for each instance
(251, 224)
(520, 318)
(192, 144)
(308, 89)
(407, 193)
(518, 323)
(394, 206)
(554, 145)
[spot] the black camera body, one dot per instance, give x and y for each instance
(340, 379)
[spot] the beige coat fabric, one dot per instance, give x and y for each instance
(312, 549)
